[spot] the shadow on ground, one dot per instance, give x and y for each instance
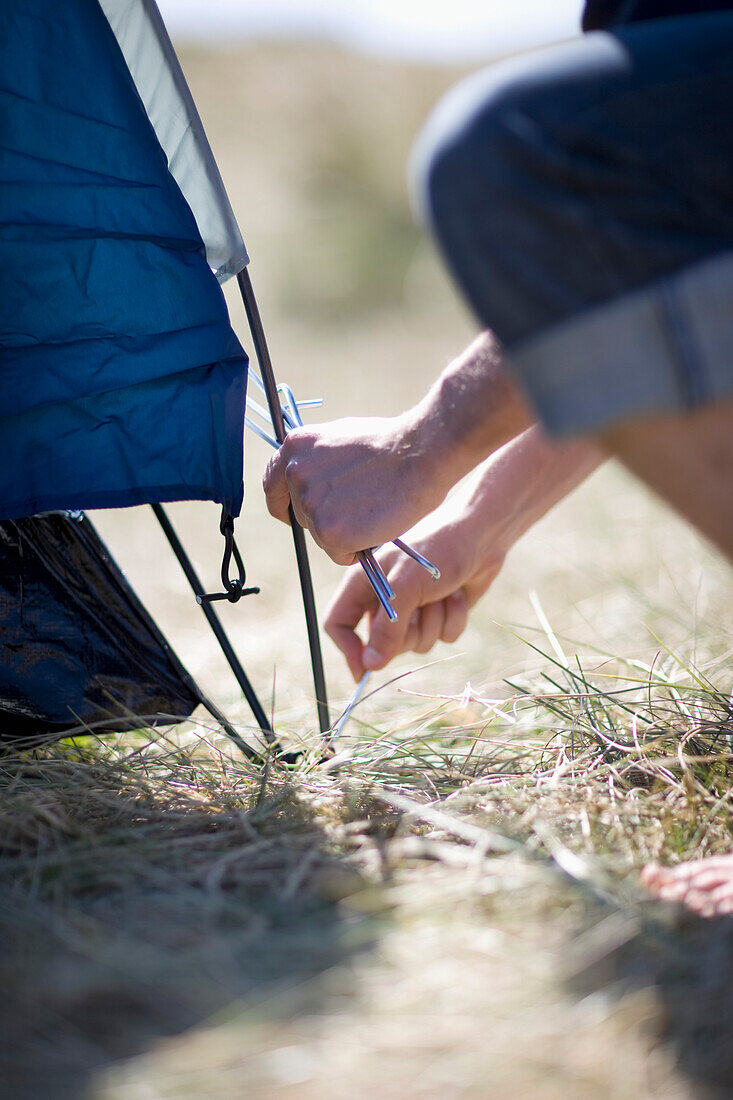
(133, 910)
(688, 962)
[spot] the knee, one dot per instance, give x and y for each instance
(503, 137)
(488, 157)
(460, 157)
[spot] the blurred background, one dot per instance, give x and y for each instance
(311, 107)
(463, 31)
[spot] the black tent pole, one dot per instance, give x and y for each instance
(229, 730)
(219, 633)
(301, 550)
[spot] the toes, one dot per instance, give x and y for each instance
(721, 894)
(652, 875)
(674, 891)
(704, 886)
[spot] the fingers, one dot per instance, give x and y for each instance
(416, 630)
(386, 640)
(716, 902)
(277, 492)
(430, 619)
(421, 621)
(440, 621)
(456, 617)
(653, 875)
(285, 486)
(354, 599)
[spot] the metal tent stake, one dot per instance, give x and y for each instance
(301, 550)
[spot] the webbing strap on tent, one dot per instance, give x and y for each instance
(301, 551)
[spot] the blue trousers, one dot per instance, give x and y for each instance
(583, 200)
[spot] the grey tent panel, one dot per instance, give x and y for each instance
(155, 69)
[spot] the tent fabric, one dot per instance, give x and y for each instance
(154, 67)
(122, 381)
(76, 645)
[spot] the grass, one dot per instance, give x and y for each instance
(621, 760)
(157, 885)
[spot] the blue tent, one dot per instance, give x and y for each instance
(122, 379)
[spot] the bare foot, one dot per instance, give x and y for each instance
(705, 885)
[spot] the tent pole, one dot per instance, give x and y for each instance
(301, 551)
(220, 635)
(221, 718)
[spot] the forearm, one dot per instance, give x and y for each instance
(514, 488)
(471, 411)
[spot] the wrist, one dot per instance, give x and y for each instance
(426, 457)
(516, 487)
(474, 408)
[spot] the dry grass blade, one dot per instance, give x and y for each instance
(485, 840)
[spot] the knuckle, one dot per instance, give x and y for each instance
(287, 447)
(268, 475)
(294, 473)
(329, 531)
(332, 629)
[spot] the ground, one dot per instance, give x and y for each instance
(454, 910)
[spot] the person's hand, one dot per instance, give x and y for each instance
(468, 538)
(356, 483)
(428, 611)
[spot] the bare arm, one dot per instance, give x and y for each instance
(468, 537)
